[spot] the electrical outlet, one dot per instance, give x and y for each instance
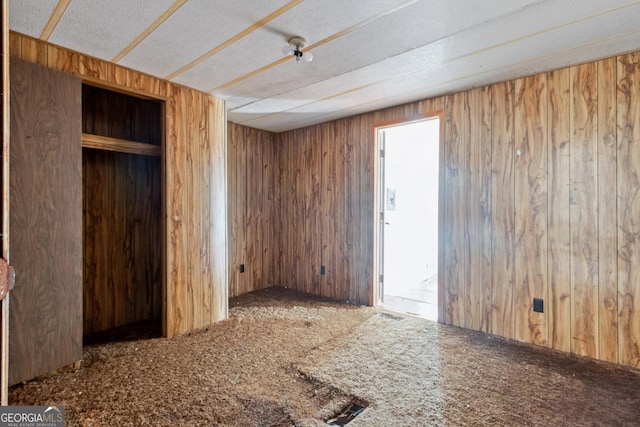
(241, 268)
(538, 305)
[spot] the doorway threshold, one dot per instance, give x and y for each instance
(412, 307)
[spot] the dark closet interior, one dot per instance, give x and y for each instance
(122, 210)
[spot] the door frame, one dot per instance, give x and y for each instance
(4, 310)
(375, 294)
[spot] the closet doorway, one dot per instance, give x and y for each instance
(122, 170)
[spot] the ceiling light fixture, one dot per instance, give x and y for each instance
(295, 48)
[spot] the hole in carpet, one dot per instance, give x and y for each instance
(389, 316)
(346, 415)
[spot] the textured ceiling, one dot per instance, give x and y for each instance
(367, 54)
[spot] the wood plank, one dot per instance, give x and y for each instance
(114, 144)
(32, 50)
(530, 180)
(217, 222)
(584, 211)
(46, 219)
(270, 236)
(63, 60)
(97, 193)
(478, 219)
(311, 214)
(204, 293)
(628, 137)
(332, 226)
(502, 209)
(558, 303)
(607, 211)
(364, 188)
(454, 211)
(55, 17)
(254, 209)
(235, 211)
(176, 176)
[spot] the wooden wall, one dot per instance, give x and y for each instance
(194, 182)
(122, 208)
(539, 179)
(253, 202)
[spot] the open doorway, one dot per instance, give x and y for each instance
(408, 205)
(122, 215)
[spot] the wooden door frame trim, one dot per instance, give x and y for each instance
(4, 339)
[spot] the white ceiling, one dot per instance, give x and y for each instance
(367, 54)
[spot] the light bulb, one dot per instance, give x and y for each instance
(307, 56)
(287, 50)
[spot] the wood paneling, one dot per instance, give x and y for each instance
(455, 228)
(530, 181)
(46, 221)
(194, 185)
(301, 209)
(116, 115)
(502, 211)
(628, 138)
(607, 220)
(537, 183)
(478, 218)
(123, 239)
(254, 213)
(236, 165)
(558, 304)
(584, 210)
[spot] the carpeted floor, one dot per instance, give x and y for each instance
(288, 359)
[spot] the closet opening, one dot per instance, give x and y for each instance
(123, 238)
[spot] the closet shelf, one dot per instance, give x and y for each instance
(119, 145)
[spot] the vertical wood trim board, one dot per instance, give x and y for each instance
(4, 184)
(194, 190)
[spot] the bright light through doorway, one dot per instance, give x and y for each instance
(409, 198)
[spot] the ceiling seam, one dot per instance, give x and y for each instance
(151, 28)
(54, 19)
(326, 98)
(475, 52)
(550, 29)
(235, 38)
(314, 45)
